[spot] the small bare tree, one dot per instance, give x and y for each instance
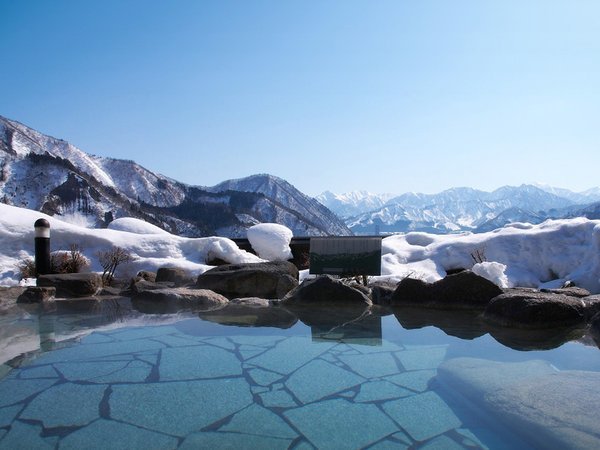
(110, 260)
(478, 255)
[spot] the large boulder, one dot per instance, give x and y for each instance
(72, 284)
(463, 290)
(172, 300)
(546, 407)
(36, 294)
(271, 280)
(571, 291)
(176, 275)
(526, 308)
(251, 312)
(326, 290)
(381, 292)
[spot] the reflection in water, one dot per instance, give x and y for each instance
(460, 323)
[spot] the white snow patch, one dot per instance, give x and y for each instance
(150, 251)
(133, 225)
(492, 271)
(271, 241)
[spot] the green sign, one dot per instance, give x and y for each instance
(347, 256)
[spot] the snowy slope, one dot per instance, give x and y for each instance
(545, 255)
(288, 198)
(50, 175)
(352, 203)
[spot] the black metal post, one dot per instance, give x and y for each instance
(42, 247)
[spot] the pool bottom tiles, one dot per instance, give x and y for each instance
(160, 387)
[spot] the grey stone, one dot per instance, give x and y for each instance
(146, 276)
(572, 291)
(271, 280)
(475, 378)
(103, 434)
(423, 416)
(334, 423)
(195, 404)
(290, 354)
(214, 440)
(203, 361)
(417, 380)
(35, 294)
(372, 365)
(72, 284)
(526, 309)
(463, 290)
(176, 275)
(548, 408)
(171, 300)
(277, 399)
(320, 379)
(66, 405)
(326, 290)
(258, 420)
(381, 292)
(380, 390)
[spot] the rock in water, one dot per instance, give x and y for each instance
(463, 290)
(271, 280)
(72, 284)
(326, 290)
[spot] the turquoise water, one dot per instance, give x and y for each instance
(181, 381)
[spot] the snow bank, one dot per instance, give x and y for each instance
(133, 225)
(150, 251)
(550, 253)
(545, 255)
(271, 241)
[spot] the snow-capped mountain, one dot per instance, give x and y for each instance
(46, 174)
(461, 209)
(353, 203)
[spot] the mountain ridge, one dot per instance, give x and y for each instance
(51, 175)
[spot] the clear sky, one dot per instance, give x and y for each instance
(385, 96)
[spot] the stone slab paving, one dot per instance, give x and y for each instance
(158, 387)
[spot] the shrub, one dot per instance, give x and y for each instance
(478, 255)
(110, 260)
(61, 261)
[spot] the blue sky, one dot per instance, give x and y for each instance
(386, 96)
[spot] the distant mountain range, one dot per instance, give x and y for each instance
(459, 209)
(50, 175)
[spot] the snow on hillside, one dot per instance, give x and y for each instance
(545, 255)
(150, 250)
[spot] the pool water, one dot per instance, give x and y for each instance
(148, 381)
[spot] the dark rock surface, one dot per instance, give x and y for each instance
(524, 339)
(146, 275)
(526, 308)
(463, 290)
(548, 408)
(72, 284)
(381, 292)
(171, 300)
(271, 280)
(326, 290)
(572, 291)
(38, 294)
(251, 312)
(176, 275)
